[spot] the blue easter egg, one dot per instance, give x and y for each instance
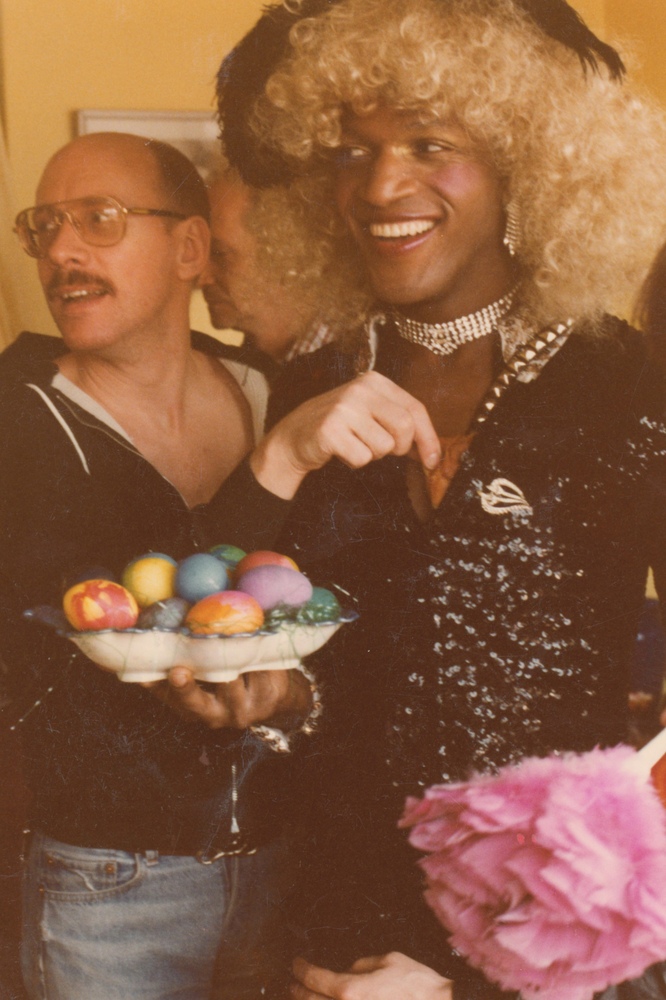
(200, 575)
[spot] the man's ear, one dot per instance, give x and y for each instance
(193, 247)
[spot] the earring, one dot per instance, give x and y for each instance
(512, 232)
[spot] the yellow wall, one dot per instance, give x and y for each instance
(61, 55)
(643, 24)
(594, 13)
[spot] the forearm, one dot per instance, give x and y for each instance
(245, 512)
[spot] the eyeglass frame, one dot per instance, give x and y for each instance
(20, 223)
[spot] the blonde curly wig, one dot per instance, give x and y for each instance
(582, 158)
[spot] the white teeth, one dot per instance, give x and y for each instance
(394, 230)
(81, 293)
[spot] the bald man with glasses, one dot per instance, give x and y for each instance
(129, 436)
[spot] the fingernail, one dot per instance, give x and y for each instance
(179, 677)
(432, 461)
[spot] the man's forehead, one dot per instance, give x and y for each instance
(109, 166)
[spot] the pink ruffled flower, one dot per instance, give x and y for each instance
(551, 875)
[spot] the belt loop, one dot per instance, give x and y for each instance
(152, 857)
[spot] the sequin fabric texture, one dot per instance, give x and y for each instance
(503, 626)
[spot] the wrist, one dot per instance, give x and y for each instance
(274, 470)
(279, 737)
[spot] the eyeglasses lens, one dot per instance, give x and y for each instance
(98, 221)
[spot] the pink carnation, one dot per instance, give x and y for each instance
(551, 874)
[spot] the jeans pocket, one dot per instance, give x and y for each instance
(81, 873)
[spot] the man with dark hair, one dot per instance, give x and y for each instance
(115, 441)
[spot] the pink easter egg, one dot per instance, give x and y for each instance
(272, 585)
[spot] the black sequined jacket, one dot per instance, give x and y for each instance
(486, 634)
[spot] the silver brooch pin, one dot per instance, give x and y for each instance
(503, 497)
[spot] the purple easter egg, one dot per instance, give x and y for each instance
(274, 585)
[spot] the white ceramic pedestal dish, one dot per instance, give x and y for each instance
(148, 654)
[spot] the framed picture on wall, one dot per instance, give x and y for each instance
(195, 133)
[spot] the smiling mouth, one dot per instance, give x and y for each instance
(400, 230)
(79, 294)
(77, 286)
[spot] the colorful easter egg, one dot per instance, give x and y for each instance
(170, 613)
(263, 557)
(150, 578)
(272, 585)
(200, 575)
(226, 613)
(323, 606)
(99, 604)
(230, 555)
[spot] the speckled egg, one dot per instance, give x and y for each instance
(272, 585)
(150, 578)
(229, 612)
(263, 557)
(323, 606)
(200, 575)
(98, 604)
(165, 614)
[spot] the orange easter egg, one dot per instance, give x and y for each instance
(227, 612)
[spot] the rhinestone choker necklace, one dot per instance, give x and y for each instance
(445, 338)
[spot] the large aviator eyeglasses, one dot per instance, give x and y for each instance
(100, 222)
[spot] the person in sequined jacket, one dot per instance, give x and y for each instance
(471, 167)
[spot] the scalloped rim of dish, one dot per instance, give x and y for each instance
(344, 618)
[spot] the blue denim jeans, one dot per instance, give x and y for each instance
(107, 925)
